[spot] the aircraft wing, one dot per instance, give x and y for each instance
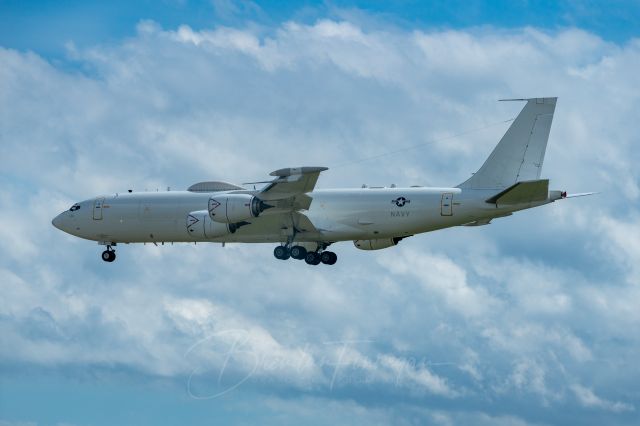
(288, 190)
(302, 224)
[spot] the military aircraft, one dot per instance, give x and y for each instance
(305, 221)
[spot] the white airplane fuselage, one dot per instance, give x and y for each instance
(338, 215)
(304, 221)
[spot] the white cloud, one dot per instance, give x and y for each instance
(622, 244)
(220, 333)
(587, 398)
(440, 276)
(418, 375)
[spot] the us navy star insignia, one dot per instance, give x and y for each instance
(400, 201)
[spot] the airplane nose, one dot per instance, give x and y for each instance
(57, 221)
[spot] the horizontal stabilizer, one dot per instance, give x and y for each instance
(522, 192)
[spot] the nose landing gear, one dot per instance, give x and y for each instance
(109, 255)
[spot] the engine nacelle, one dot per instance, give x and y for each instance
(234, 208)
(378, 244)
(200, 225)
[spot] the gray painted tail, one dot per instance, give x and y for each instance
(520, 153)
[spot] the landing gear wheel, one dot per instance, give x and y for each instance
(108, 255)
(328, 257)
(312, 258)
(281, 252)
(298, 252)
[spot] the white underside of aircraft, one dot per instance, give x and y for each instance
(304, 221)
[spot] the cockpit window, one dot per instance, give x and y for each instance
(74, 207)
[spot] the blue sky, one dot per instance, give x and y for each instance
(531, 320)
(45, 26)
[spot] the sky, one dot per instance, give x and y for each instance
(532, 320)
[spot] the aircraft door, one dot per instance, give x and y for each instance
(446, 204)
(97, 208)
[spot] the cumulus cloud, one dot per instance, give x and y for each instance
(489, 316)
(440, 276)
(587, 398)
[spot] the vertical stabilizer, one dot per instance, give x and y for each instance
(520, 153)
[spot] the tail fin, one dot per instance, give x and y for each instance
(520, 153)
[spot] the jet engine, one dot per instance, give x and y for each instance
(378, 244)
(199, 225)
(234, 208)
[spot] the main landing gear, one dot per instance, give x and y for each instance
(109, 255)
(310, 257)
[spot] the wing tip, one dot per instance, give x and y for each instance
(289, 171)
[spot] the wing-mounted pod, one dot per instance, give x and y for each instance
(235, 208)
(200, 225)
